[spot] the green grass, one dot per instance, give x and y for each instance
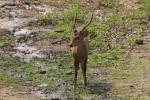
(3, 14)
(6, 80)
(63, 20)
(146, 5)
(122, 74)
(5, 38)
(119, 20)
(49, 35)
(127, 75)
(108, 3)
(109, 46)
(110, 35)
(28, 70)
(113, 20)
(131, 72)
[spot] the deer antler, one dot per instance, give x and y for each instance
(74, 22)
(88, 23)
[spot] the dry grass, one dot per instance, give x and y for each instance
(130, 4)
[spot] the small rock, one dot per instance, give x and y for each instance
(132, 86)
(43, 85)
(10, 87)
(139, 42)
(69, 72)
(60, 64)
(27, 82)
(22, 32)
(42, 71)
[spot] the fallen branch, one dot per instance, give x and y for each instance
(60, 40)
(59, 31)
(9, 4)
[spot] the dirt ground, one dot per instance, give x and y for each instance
(14, 94)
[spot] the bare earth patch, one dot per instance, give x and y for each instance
(10, 93)
(49, 47)
(130, 4)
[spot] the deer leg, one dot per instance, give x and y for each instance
(83, 66)
(76, 65)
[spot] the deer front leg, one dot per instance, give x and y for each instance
(76, 65)
(83, 66)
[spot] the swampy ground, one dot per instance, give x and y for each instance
(36, 62)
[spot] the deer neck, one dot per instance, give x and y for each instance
(83, 46)
(80, 52)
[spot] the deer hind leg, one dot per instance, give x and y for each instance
(76, 65)
(84, 66)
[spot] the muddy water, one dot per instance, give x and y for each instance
(27, 53)
(17, 20)
(14, 23)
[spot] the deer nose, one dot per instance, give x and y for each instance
(70, 45)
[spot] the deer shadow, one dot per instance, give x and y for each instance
(99, 88)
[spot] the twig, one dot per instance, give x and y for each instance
(59, 40)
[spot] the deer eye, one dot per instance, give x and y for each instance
(77, 38)
(75, 31)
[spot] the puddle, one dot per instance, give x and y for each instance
(29, 31)
(26, 53)
(22, 32)
(12, 24)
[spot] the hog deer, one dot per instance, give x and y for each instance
(79, 46)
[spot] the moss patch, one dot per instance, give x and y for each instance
(5, 38)
(6, 80)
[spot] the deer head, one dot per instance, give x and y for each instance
(78, 34)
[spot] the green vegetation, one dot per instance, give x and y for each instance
(125, 78)
(48, 18)
(6, 80)
(62, 20)
(2, 14)
(29, 71)
(145, 11)
(110, 41)
(146, 6)
(107, 3)
(118, 31)
(49, 35)
(5, 38)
